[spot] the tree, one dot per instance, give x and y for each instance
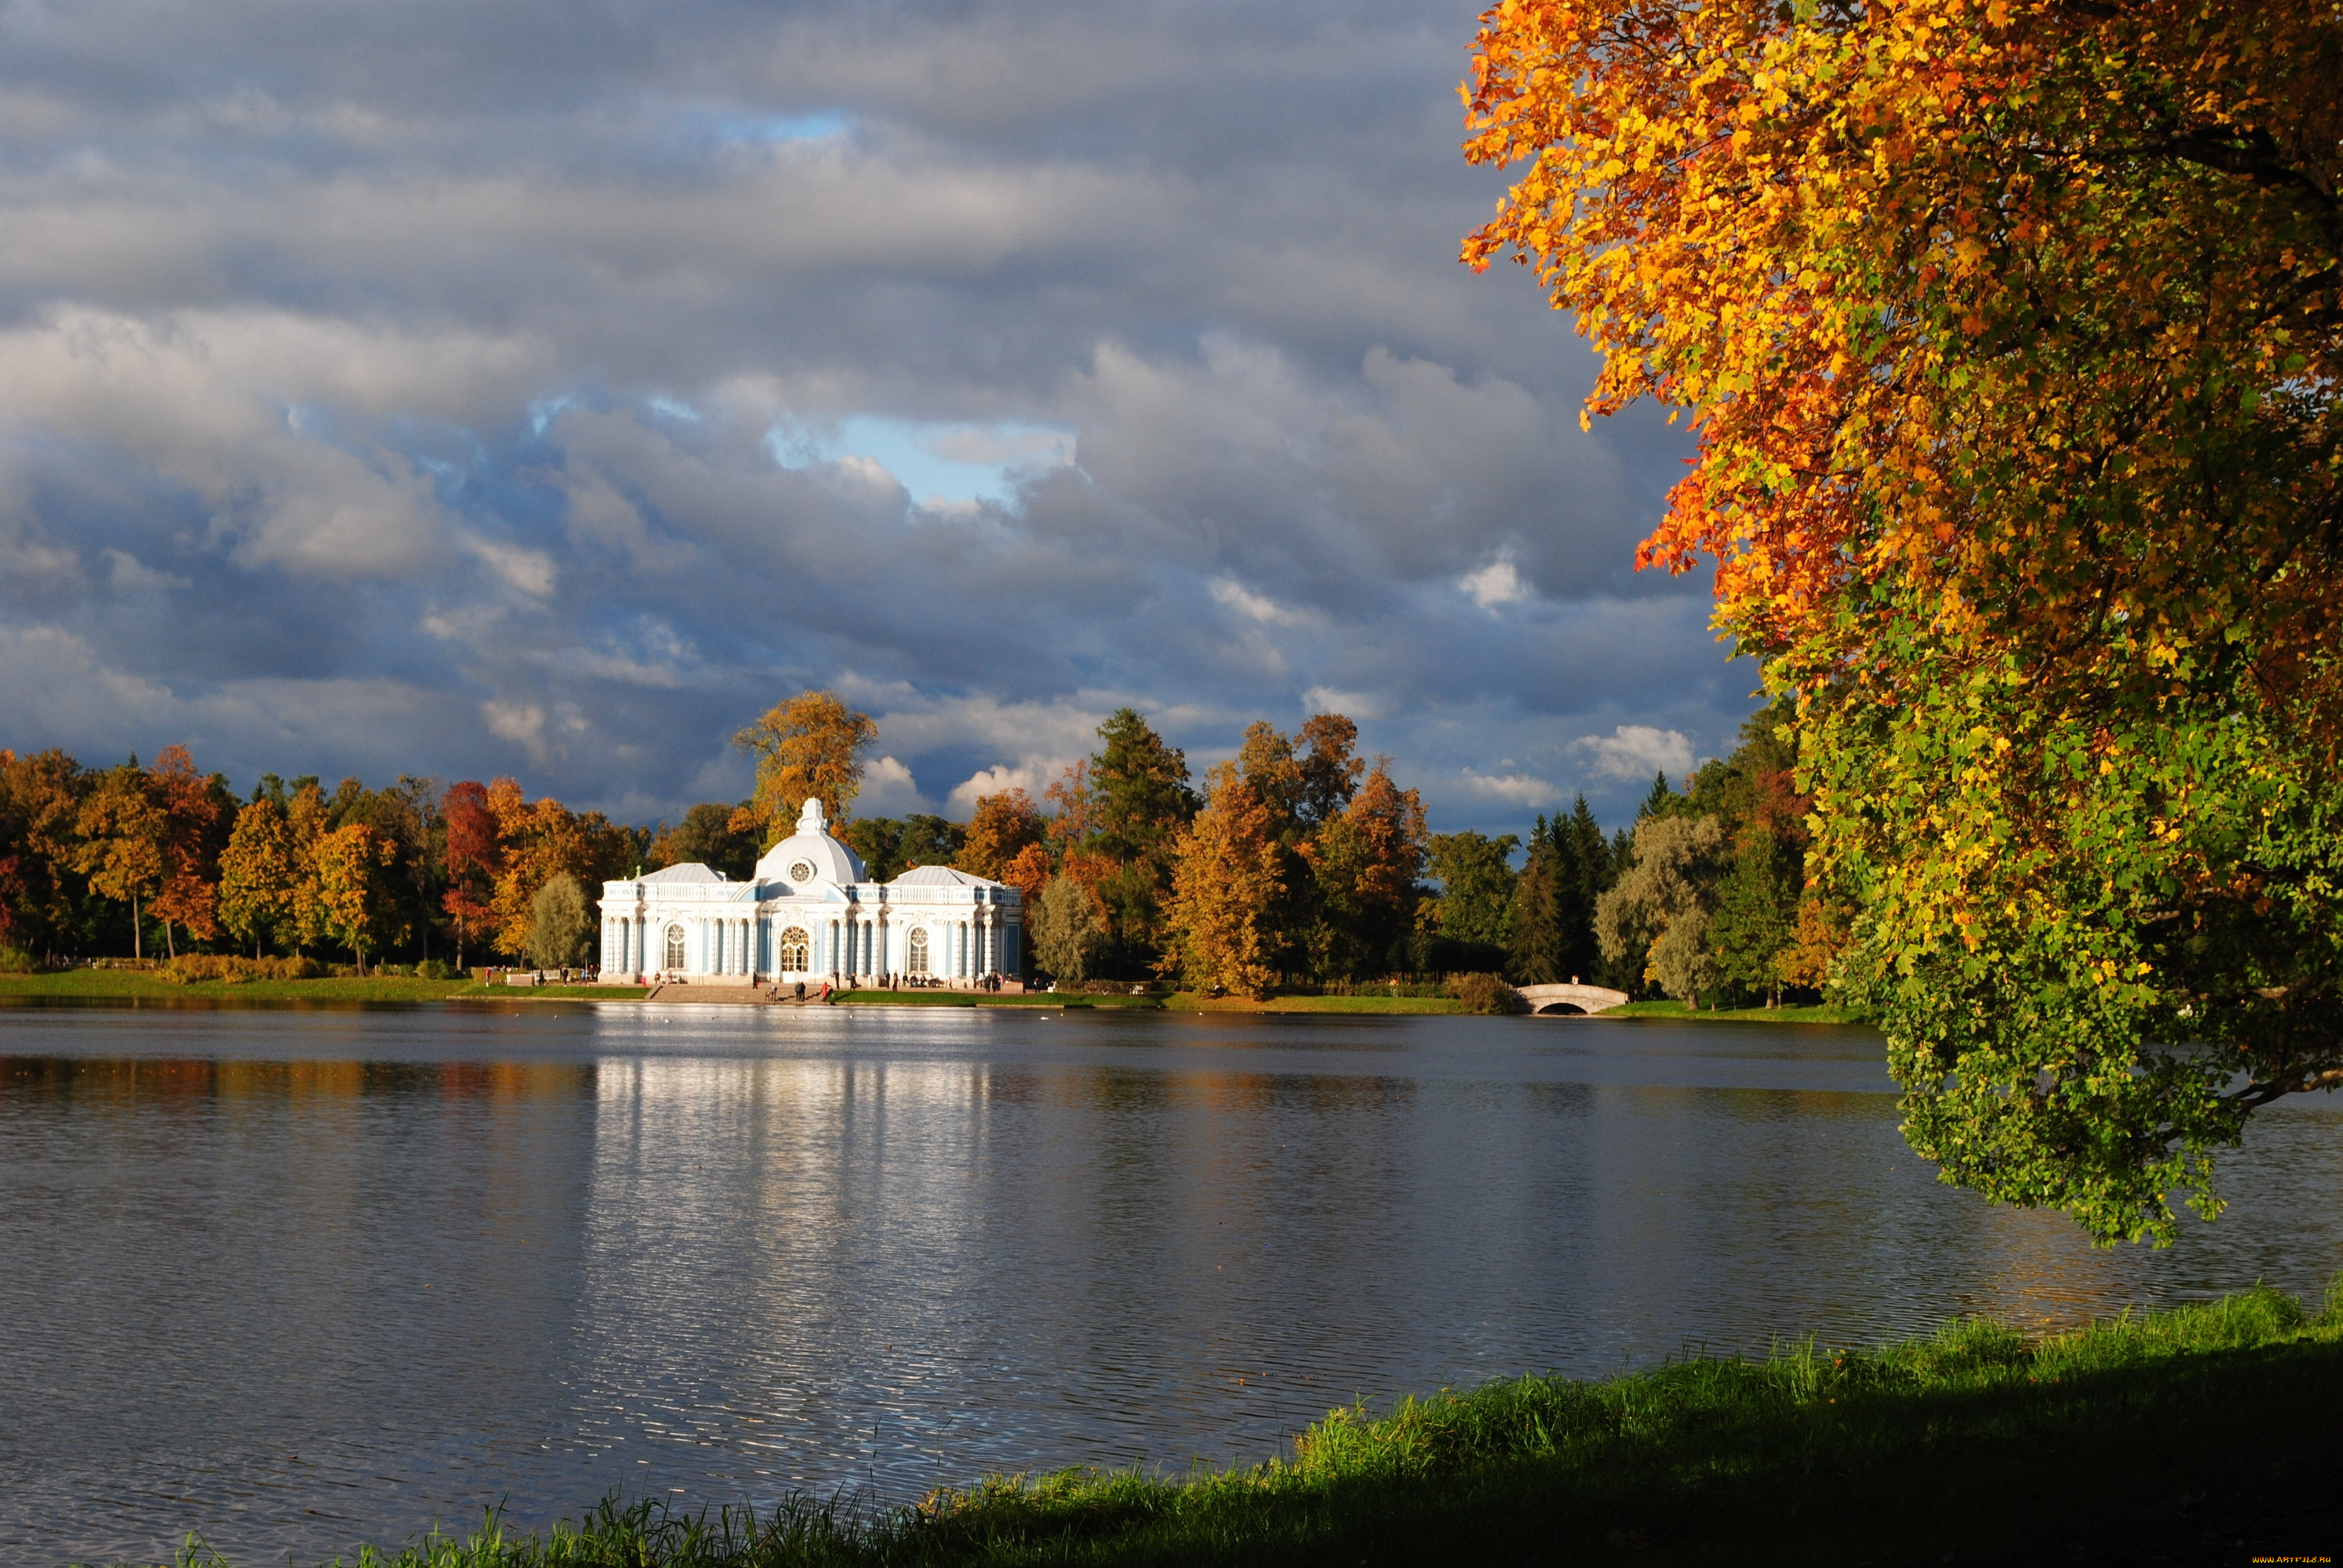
(560, 923)
(1659, 910)
(1134, 801)
(1068, 929)
(1324, 756)
(710, 835)
(194, 810)
(890, 845)
(258, 874)
(536, 841)
(2011, 335)
(1002, 827)
(121, 835)
(357, 896)
(307, 820)
(1365, 863)
(1028, 871)
(1754, 926)
(810, 745)
(1474, 910)
(40, 807)
(471, 860)
(1226, 877)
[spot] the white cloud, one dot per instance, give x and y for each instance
(889, 791)
(127, 574)
(1499, 582)
(520, 722)
(1032, 776)
(1267, 611)
(526, 571)
(1349, 703)
(1519, 789)
(1634, 752)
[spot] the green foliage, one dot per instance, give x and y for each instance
(1756, 913)
(2096, 944)
(561, 924)
(719, 837)
(1660, 906)
(1571, 866)
(1066, 931)
(891, 846)
(17, 961)
(1476, 886)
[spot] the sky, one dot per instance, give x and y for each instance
(549, 389)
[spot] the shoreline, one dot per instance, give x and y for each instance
(2192, 1434)
(140, 987)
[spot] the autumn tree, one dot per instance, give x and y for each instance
(41, 799)
(1364, 862)
(357, 896)
(195, 811)
(121, 835)
(258, 875)
(809, 747)
(1001, 829)
(472, 860)
(2010, 334)
(1226, 877)
(308, 817)
(536, 841)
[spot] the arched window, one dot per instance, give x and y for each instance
(797, 951)
(675, 947)
(915, 960)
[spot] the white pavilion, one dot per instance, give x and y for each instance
(808, 914)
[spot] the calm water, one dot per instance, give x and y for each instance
(303, 1279)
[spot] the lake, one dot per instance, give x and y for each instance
(299, 1279)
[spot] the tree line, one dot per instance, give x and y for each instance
(1296, 862)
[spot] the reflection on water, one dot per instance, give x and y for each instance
(299, 1280)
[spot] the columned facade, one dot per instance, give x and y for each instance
(809, 915)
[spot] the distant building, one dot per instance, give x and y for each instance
(808, 914)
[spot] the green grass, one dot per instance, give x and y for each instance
(109, 985)
(1976, 1445)
(1676, 1009)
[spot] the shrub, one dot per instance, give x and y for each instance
(17, 961)
(433, 969)
(1489, 993)
(192, 969)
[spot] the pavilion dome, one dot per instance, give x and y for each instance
(809, 856)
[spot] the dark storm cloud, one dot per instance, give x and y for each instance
(546, 389)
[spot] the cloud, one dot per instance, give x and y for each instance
(1516, 788)
(1033, 777)
(556, 404)
(889, 791)
(1637, 752)
(1497, 583)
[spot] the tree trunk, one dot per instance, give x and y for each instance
(137, 948)
(170, 945)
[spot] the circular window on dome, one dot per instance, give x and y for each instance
(801, 872)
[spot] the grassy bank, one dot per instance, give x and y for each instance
(987, 998)
(115, 985)
(2200, 1435)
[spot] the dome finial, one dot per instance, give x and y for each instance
(811, 820)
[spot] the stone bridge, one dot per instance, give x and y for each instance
(1572, 998)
